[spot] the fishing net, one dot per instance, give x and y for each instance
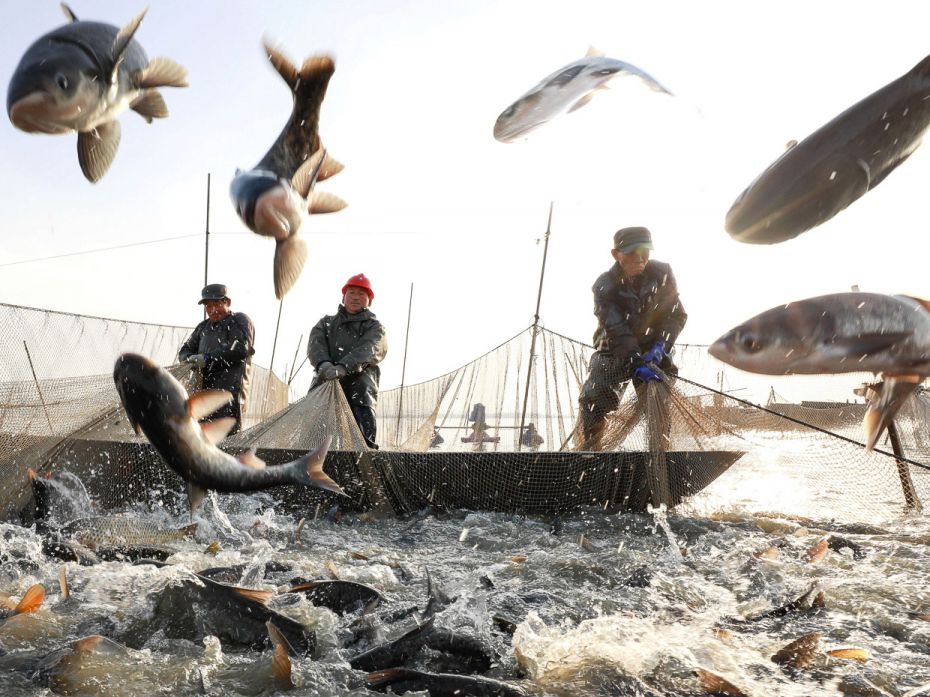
(59, 408)
(499, 433)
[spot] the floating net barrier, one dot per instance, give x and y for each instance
(499, 433)
(59, 408)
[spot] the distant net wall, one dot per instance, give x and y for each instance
(56, 386)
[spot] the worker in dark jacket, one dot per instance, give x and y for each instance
(221, 347)
(347, 347)
(639, 318)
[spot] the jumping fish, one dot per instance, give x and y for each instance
(339, 596)
(568, 88)
(158, 405)
(818, 177)
(402, 680)
(119, 531)
(79, 77)
(395, 652)
(271, 197)
(799, 653)
(839, 333)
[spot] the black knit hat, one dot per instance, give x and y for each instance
(628, 238)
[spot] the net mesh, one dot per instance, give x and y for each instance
(499, 433)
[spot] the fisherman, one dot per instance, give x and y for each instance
(347, 347)
(530, 437)
(639, 317)
(221, 347)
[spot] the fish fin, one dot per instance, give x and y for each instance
(300, 587)
(281, 668)
(216, 430)
(817, 552)
(317, 68)
(308, 172)
(201, 404)
(860, 655)
(286, 69)
(593, 52)
(331, 569)
(278, 640)
(382, 678)
(330, 168)
(289, 257)
(790, 144)
(195, 494)
(87, 644)
(188, 530)
(122, 41)
(581, 102)
(31, 474)
(324, 202)
(250, 459)
(63, 582)
(68, 12)
(32, 599)
(713, 683)
(213, 548)
(310, 469)
(150, 105)
(866, 344)
(893, 391)
(162, 72)
(258, 596)
(97, 148)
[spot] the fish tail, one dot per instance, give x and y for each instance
(308, 470)
(383, 678)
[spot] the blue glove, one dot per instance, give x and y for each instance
(646, 374)
(656, 353)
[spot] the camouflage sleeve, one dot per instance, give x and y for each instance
(370, 349)
(317, 345)
(192, 345)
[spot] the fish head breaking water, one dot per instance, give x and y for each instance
(149, 394)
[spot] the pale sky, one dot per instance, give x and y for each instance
(433, 199)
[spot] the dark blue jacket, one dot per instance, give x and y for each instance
(634, 313)
(230, 345)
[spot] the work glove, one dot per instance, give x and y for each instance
(655, 354)
(334, 372)
(321, 368)
(646, 374)
(198, 360)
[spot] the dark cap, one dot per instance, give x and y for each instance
(214, 291)
(628, 238)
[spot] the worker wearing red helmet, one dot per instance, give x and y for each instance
(347, 347)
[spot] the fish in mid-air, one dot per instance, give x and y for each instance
(158, 405)
(815, 179)
(272, 197)
(79, 77)
(839, 333)
(567, 89)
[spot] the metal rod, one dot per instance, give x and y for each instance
(911, 500)
(274, 344)
(38, 388)
(290, 375)
(403, 370)
(529, 368)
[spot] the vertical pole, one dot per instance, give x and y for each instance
(206, 250)
(529, 369)
(274, 344)
(294, 362)
(38, 389)
(911, 500)
(403, 370)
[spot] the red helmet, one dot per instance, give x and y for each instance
(360, 281)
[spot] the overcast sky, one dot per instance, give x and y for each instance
(433, 199)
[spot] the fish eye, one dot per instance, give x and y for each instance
(603, 72)
(62, 81)
(749, 343)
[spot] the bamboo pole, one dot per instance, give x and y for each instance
(38, 388)
(403, 370)
(529, 368)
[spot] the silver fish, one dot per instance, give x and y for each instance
(567, 89)
(122, 531)
(839, 333)
(158, 406)
(272, 197)
(80, 77)
(839, 162)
